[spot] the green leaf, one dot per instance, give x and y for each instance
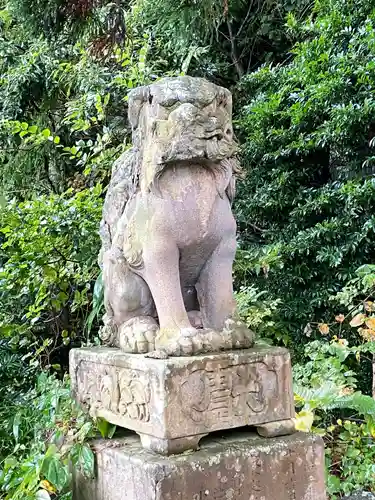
(98, 295)
(84, 431)
(83, 458)
(333, 483)
(98, 301)
(56, 139)
(50, 272)
(51, 451)
(10, 462)
(106, 429)
(106, 99)
(46, 132)
(16, 426)
(55, 472)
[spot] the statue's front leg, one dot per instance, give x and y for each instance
(216, 299)
(161, 272)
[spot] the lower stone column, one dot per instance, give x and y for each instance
(240, 466)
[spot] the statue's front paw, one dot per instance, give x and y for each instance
(191, 341)
(138, 335)
(176, 342)
(241, 336)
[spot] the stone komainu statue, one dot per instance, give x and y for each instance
(168, 233)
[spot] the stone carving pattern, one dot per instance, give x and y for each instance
(168, 233)
(134, 396)
(210, 396)
(124, 391)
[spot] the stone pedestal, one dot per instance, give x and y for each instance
(173, 403)
(243, 466)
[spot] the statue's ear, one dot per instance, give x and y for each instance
(137, 98)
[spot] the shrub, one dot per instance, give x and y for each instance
(48, 269)
(306, 208)
(48, 435)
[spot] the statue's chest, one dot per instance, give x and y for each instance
(185, 206)
(190, 185)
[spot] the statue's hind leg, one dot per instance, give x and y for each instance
(130, 321)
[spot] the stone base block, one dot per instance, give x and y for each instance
(243, 466)
(172, 403)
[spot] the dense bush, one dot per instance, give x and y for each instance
(63, 100)
(306, 209)
(48, 268)
(47, 435)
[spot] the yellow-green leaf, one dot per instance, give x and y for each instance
(304, 420)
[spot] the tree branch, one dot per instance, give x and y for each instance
(245, 20)
(237, 64)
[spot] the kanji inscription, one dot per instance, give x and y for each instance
(235, 390)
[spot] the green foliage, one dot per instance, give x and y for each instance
(66, 68)
(219, 40)
(16, 377)
(325, 388)
(46, 435)
(305, 210)
(258, 313)
(48, 255)
(309, 195)
(63, 102)
(351, 452)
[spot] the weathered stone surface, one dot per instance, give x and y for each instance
(275, 429)
(173, 402)
(168, 233)
(240, 467)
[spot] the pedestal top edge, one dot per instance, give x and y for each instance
(111, 355)
(236, 443)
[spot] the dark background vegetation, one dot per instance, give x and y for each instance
(302, 73)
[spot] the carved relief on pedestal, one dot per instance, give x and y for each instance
(253, 386)
(135, 396)
(108, 391)
(195, 395)
(124, 391)
(86, 385)
(241, 391)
